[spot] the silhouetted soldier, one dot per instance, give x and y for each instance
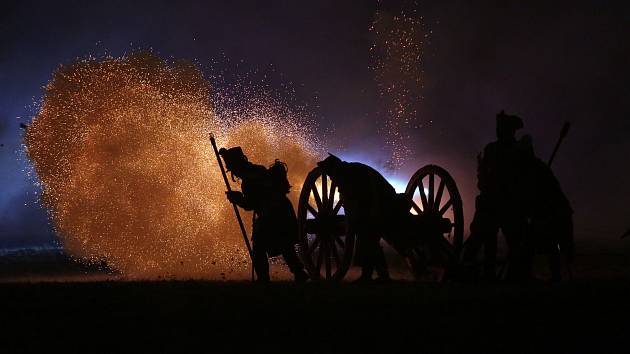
(368, 199)
(275, 226)
(550, 214)
(500, 204)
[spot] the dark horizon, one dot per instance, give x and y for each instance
(548, 63)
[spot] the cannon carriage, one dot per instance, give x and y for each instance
(326, 245)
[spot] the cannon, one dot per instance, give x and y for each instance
(326, 245)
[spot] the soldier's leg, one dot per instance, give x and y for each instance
(261, 262)
(520, 249)
(483, 233)
(485, 229)
(367, 253)
(475, 239)
(367, 265)
(553, 251)
(360, 256)
(380, 263)
(472, 247)
(295, 266)
(490, 252)
(555, 264)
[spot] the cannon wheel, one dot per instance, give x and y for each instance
(434, 193)
(324, 244)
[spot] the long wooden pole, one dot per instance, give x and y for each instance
(238, 215)
(563, 134)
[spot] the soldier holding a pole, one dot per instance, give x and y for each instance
(519, 195)
(264, 191)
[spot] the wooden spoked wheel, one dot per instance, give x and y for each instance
(325, 246)
(437, 204)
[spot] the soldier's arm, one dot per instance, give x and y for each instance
(246, 204)
(239, 199)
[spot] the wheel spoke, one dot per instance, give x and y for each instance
(331, 197)
(425, 204)
(311, 209)
(318, 200)
(320, 257)
(325, 190)
(438, 196)
(416, 207)
(446, 206)
(335, 253)
(322, 235)
(338, 206)
(340, 241)
(431, 191)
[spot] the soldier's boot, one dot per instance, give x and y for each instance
(261, 265)
(366, 274)
(490, 258)
(301, 276)
(263, 279)
(490, 272)
(469, 269)
(383, 279)
(262, 276)
(555, 265)
(295, 266)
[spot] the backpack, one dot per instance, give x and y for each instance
(278, 177)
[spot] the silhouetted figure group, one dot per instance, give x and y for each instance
(518, 195)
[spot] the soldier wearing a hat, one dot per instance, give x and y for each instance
(275, 226)
(500, 205)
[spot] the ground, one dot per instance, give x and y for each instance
(173, 316)
(98, 314)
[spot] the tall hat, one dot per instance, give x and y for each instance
(508, 121)
(232, 157)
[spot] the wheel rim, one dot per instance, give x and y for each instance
(433, 191)
(324, 244)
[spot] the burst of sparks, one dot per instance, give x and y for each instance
(121, 148)
(397, 52)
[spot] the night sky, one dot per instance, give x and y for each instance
(546, 63)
